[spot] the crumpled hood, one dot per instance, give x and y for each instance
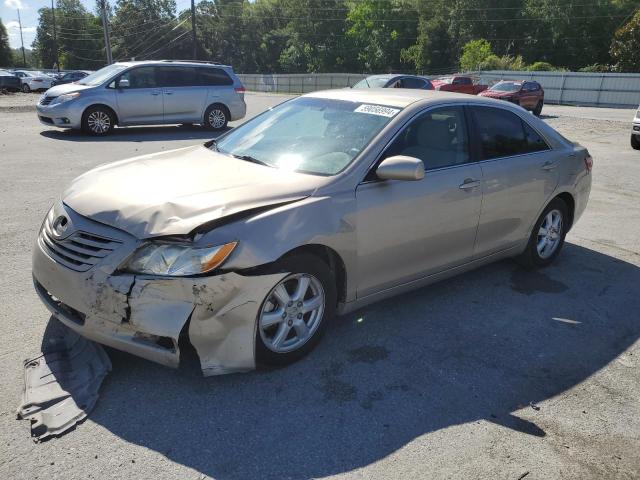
(171, 193)
(58, 90)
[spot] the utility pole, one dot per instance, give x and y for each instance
(24, 58)
(193, 30)
(55, 36)
(105, 29)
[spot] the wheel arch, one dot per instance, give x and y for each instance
(570, 202)
(103, 105)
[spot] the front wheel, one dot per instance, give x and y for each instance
(538, 108)
(97, 121)
(547, 237)
(216, 117)
(635, 142)
(295, 313)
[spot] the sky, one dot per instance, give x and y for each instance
(29, 14)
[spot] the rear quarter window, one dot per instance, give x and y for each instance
(213, 77)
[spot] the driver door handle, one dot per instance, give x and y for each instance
(155, 92)
(469, 183)
(548, 166)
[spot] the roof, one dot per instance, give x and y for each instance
(172, 62)
(395, 97)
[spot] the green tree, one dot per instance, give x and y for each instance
(474, 53)
(6, 59)
(625, 48)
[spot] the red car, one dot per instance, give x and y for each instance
(527, 94)
(459, 84)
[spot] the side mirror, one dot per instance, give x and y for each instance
(123, 83)
(401, 167)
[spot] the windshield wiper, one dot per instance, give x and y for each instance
(251, 159)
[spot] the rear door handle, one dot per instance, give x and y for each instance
(168, 92)
(469, 183)
(548, 166)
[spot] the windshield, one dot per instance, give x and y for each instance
(310, 135)
(99, 77)
(370, 82)
(506, 87)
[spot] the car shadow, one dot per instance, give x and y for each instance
(479, 347)
(138, 134)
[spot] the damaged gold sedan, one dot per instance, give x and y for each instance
(248, 245)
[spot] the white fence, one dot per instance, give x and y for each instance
(566, 88)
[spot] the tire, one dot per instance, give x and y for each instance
(216, 117)
(533, 256)
(98, 121)
(279, 321)
(538, 108)
(25, 88)
(635, 142)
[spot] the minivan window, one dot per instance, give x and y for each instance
(504, 134)
(102, 75)
(177, 76)
(213, 76)
(142, 77)
(438, 138)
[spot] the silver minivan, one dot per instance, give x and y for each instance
(146, 93)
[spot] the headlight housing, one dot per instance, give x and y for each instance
(176, 260)
(65, 98)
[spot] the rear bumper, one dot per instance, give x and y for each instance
(237, 109)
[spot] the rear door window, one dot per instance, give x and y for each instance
(213, 77)
(177, 76)
(412, 83)
(504, 134)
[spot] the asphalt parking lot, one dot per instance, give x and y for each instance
(500, 373)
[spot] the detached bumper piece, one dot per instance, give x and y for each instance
(61, 385)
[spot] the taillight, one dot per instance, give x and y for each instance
(240, 89)
(588, 163)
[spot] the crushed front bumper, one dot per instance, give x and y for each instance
(145, 315)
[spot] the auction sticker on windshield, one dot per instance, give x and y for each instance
(377, 110)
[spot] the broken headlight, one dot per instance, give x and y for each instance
(174, 259)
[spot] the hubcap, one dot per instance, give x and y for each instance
(217, 118)
(99, 122)
(549, 234)
(292, 313)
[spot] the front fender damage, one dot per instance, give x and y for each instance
(222, 310)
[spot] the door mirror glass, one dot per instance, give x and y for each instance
(401, 167)
(123, 83)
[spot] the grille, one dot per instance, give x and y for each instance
(80, 251)
(46, 100)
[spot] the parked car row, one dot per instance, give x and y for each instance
(527, 94)
(34, 80)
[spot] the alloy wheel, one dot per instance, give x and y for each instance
(549, 234)
(99, 122)
(292, 313)
(217, 118)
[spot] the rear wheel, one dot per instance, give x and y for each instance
(635, 142)
(295, 312)
(216, 117)
(25, 88)
(538, 108)
(547, 237)
(98, 121)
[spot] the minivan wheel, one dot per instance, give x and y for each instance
(538, 110)
(97, 121)
(216, 117)
(547, 237)
(635, 142)
(25, 88)
(295, 313)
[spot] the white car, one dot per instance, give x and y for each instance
(33, 80)
(635, 131)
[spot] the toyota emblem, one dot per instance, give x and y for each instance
(60, 225)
